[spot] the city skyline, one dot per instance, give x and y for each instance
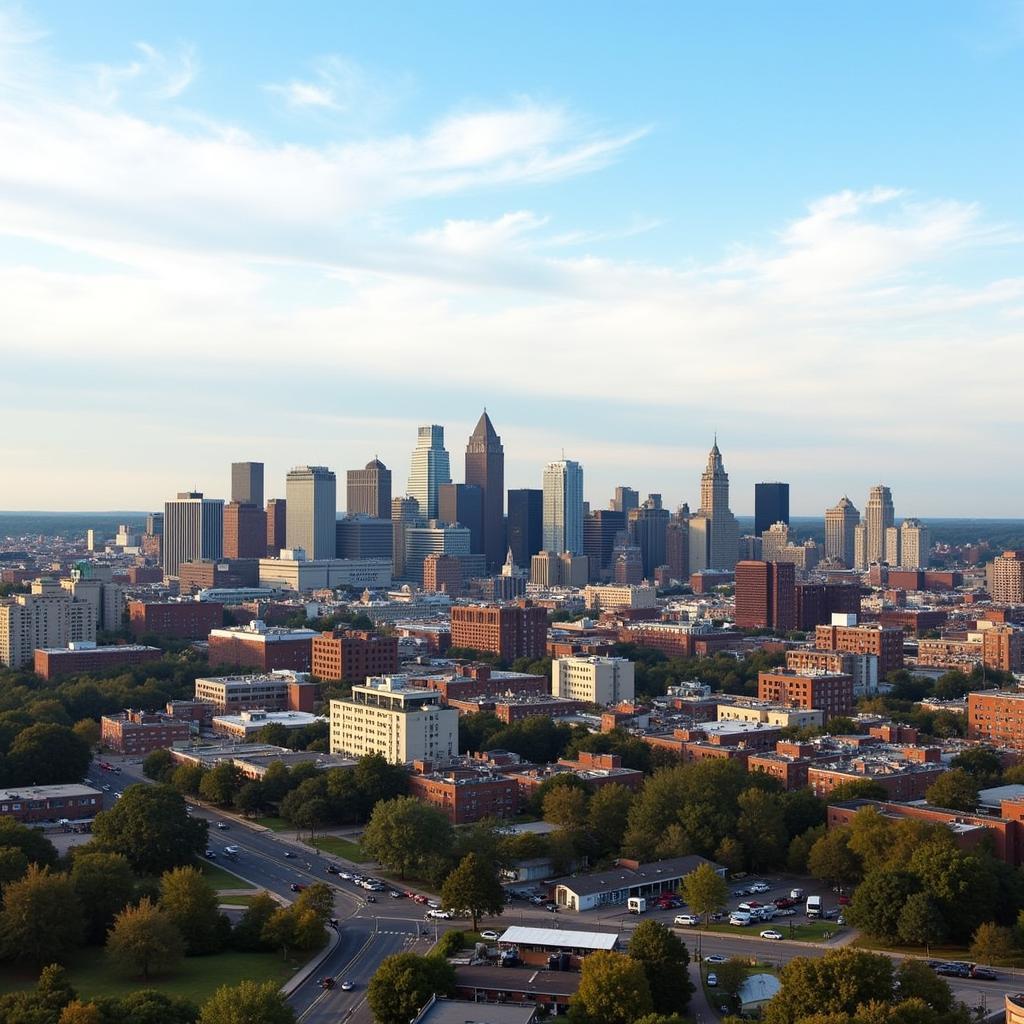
(184, 206)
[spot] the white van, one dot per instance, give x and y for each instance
(636, 905)
(739, 918)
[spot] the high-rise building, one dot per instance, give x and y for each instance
(277, 524)
(245, 530)
(774, 541)
(714, 527)
(648, 525)
(915, 543)
(510, 631)
(429, 469)
(1006, 578)
(48, 618)
(436, 538)
(368, 491)
(771, 505)
(247, 483)
(893, 552)
(364, 537)
(766, 595)
(525, 524)
(463, 505)
(155, 524)
(312, 496)
(594, 680)
(600, 528)
(485, 468)
(563, 507)
(677, 545)
(860, 546)
(879, 516)
(405, 513)
(625, 500)
(193, 529)
(627, 562)
(840, 522)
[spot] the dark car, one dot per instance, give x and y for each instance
(326, 983)
(783, 902)
(371, 899)
(333, 869)
(296, 887)
(984, 974)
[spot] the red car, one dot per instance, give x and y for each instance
(783, 902)
(844, 901)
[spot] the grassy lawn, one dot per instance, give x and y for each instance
(932, 953)
(342, 848)
(219, 878)
(196, 978)
(244, 899)
(274, 824)
(811, 931)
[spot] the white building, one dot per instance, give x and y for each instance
(916, 543)
(193, 529)
(48, 617)
(430, 467)
(247, 723)
(388, 716)
(294, 571)
(563, 507)
(614, 596)
(594, 680)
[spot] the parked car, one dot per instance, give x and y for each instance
(712, 980)
(210, 855)
(984, 974)
(796, 894)
(760, 887)
(716, 958)
(844, 900)
(686, 920)
(786, 912)
(490, 936)
(296, 887)
(396, 895)
(771, 933)
(345, 875)
(551, 908)
(784, 901)
(750, 905)
(741, 892)
(444, 915)
(332, 869)
(433, 904)
(371, 899)
(347, 986)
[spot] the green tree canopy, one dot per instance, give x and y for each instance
(191, 904)
(403, 983)
(47, 754)
(705, 891)
(474, 886)
(143, 939)
(666, 962)
(220, 783)
(249, 1002)
(248, 933)
(104, 885)
(41, 920)
(159, 765)
(956, 789)
(761, 828)
(832, 860)
(566, 807)
(36, 847)
(878, 902)
(920, 922)
(613, 990)
(403, 834)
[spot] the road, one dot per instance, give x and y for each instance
(370, 932)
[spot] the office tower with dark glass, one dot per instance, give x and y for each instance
(563, 507)
(625, 500)
(463, 505)
(525, 524)
(193, 529)
(429, 469)
(648, 525)
(368, 491)
(312, 496)
(771, 505)
(600, 530)
(247, 483)
(485, 468)
(277, 526)
(245, 530)
(364, 537)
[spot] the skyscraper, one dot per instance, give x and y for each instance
(485, 468)
(766, 595)
(525, 524)
(247, 483)
(721, 539)
(277, 525)
(429, 469)
(193, 529)
(916, 544)
(312, 496)
(860, 546)
(879, 516)
(647, 528)
(563, 507)
(463, 505)
(893, 550)
(600, 530)
(245, 530)
(771, 505)
(625, 500)
(405, 513)
(368, 491)
(840, 522)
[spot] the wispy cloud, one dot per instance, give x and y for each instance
(154, 73)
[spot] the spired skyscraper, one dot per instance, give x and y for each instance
(563, 507)
(879, 516)
(714, 532)
(430, 468)
(485, 467)
(312, 496)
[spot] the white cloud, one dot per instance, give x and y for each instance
(154, 73)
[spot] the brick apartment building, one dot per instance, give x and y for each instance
(29, 804)
(465, 793)
(596, 770)
(511, 631)
(885, 643)
(517, 707)
(221, 572)
(174, 620)
(901, 778)
(912, 620)
(863, 667)
(139, 732)
(245, 530)
(996, 717)
(766, 595)
(1002, 647)
(272, 691)
(262, 647)
(140, 574)
(816, 603)
(442, 574)
(679, 641)
(789, 762)
(471, 681)
(82, 656)
(831, 692)
(351, 656)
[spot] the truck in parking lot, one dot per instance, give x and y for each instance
(636, 905)
(813, 906)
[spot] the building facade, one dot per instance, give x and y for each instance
(85, 656)
(831, 692)
(311, 493)
(485, 469)
(771, 505)
(245, 530)
(176, 620)
(193, 529)
(247, 483)
(368, 491)
(430, 467)
(511, 631)
(141, 732)
(351, 656)
(277, 526)
(262, 647)
(48, 617)
(563, 507)
(525, 524)
(604, 681)
(766, 596)
(879, 515)
(714, 532)
(840, 525)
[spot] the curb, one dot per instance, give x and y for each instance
(303, 974)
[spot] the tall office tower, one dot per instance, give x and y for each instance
(677, 545)
(879, 516)
(48, 617)
(1006, 578)
(277, 526)
(723, 533)
(525, 524)
(625, 500)
(774, 541)
(463, 505)
(364, 537)
(247, 483)
(915, 544)
(627, 562)
(312, 496)
(771, 505)
(485, 467)
(155, 524)
(430, 468)
(840, 522)
(600, 529)
(766, 595)
(893, 552)
(245, 530)
(647, 528)
(368, 491)
(193, 529)
(860, 546)
(405, 514)
(563, 507)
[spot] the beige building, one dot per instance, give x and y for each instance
(774, 541)
(48, 617)
(774, 715)
(860, 546)
(388, 716)
(106, 598)
(879, 516)
(893, 553)
(915, 544)
(840, 523)
(548, 569)
(604, 681)
(1006, 578)
(615, 597)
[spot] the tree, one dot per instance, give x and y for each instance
(150, 826)
(13, 864)
(77, 1012)
(403, 983)
(832, 860)
(32, 843)
(992, 944)
(731, 976)
(799, 852)
(665, 961)
(191, 904)
(858, 789)
(403, 833)
(802, 810)
(613, 989)
(247, 1003)
(962, 884)
(46, 754)
(729, 852)
(920, 922)
(281, 931)
(566, 807)
(981, 762)
(473, 886)
(376, 779)
(87, 729)
(705, 891)
(187, 778)
(149, 1007)
(761, 828)
(251, 799)
(220, 783)
(956, 789)
(248, 933)
(41, 920)
(878, 902)
(104, 885)
(158, 765)
(608, 816)
(918, 981)
(144, 937)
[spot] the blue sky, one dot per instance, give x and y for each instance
(294, 232)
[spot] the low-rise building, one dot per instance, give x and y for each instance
(84, 656)
(174, 620)
(140, 732)
(831, 692)
(535, 945)
(517, 706)
(29, 804)
(884, 642)
(281, 690)
(302, 574)
(552, 990)
(465, 791)
(262, 647)
(465, 682)
(593, 680)
(351, 656)
(862, 667)
(779, 716)
(902, 778)
(614, 597)
(596, 770)
(248, 723)
(439, 1010)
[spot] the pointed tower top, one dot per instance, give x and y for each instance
(485, 429)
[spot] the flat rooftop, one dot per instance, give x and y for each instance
(464, 1011)
(626, 877)
(558, 938)
(106, 649)
(47, 792)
